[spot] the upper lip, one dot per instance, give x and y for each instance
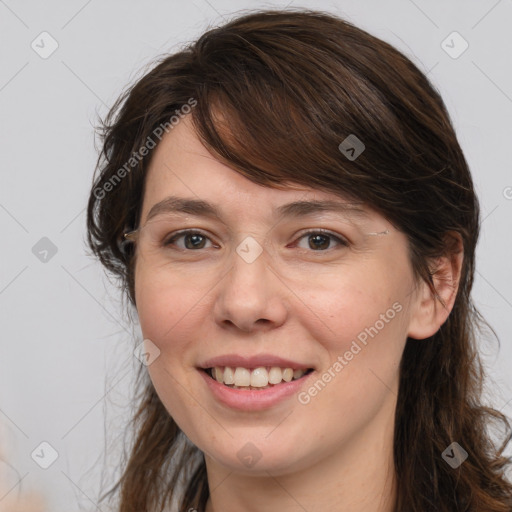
(256, 361)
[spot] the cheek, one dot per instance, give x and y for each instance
(167, 317)
(164, 309)
(362, 305)
(361, 324)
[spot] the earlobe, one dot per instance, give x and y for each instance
(431, 310)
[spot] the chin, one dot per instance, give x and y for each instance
(259, 458)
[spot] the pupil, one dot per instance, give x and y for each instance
(318, 238)
(194, 239)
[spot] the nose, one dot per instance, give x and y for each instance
(251, 297)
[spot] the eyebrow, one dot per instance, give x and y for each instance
(200, 208)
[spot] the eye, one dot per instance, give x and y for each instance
(193, 240)
(320, 240)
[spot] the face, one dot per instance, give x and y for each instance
(264, 285)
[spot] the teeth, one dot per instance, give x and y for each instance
(288, 374)
(257, 378)
(229, 377)
(297, 374)
(218, 374)
(275, 376)
(242, 377)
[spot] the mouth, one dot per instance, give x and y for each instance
(255, 379)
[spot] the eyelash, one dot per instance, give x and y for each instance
(181, 234)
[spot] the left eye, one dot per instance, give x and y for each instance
(321, 240)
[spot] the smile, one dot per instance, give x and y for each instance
(250, 398)
(258, 378)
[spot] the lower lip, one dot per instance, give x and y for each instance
(253, 400)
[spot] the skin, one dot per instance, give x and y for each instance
(293, 301)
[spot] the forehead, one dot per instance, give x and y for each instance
(184, 177)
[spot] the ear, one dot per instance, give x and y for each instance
(430, 310)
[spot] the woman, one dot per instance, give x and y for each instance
(291, 215)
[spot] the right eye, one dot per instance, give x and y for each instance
(193, 240)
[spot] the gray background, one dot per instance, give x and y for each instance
(66, 365)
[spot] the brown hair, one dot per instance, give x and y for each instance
(291, 86)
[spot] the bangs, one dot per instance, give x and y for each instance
(277, 116)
